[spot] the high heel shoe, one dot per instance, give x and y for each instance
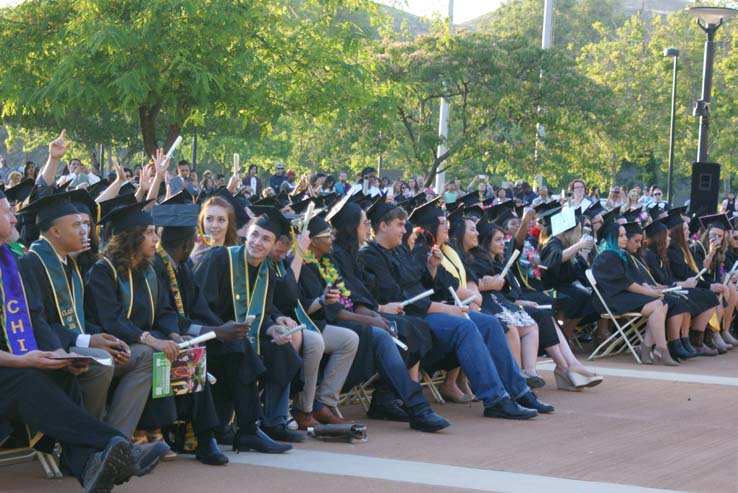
(661, 356)
(592, 379)
(563, 381)
(644, 352)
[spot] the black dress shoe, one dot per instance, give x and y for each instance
(427, 420)
(530, 400)
(389, 411)
(224, 436)
(509, 409)
(283, 434)
(144, 458)
(207, 452)
(108, 467)
(259, 442)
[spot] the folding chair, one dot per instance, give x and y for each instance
(627, 333)
(360, 394)
(18, 455)
(432, 382)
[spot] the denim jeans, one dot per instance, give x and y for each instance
(392, 368)
(492, 373)
(276, 404)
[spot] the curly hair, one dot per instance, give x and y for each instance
(125, 246)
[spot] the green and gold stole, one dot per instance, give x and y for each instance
(300, 312)
(247, 300)
(68, 299)
(125, 289)
(173, 284)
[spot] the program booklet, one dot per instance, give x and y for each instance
(184, 376)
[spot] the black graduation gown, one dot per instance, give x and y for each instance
(560, 276)
(699, 253)
(213, 274)
(414, 332)
(639, 272)
(681, 269)
(698, 299)
(38, 287)
(312, 286)
(397, 275)
(613, 278)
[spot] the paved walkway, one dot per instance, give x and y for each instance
(645, 429)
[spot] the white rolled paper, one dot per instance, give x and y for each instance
(295, 329)
(510, 262)
(467, 301)
(699, 274)
(417, 298)
(236, 163)
(544, 307)
(457, 301)
(670, 290)
(399, 343)
(176, 143)
(197, 340)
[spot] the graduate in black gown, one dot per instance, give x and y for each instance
(376, 339)
(701, 301)
(564, 272)
(239, 283)
(623, 294)
(684, 269)
(709, 253)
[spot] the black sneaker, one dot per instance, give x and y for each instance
(428, 421)
(283, 434)
(530, 400)
(509, 409)
(389, 411)
(109, 467)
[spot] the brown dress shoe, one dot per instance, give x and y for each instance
(304, 420)
(326, 417)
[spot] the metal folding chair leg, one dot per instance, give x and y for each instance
(427, 381)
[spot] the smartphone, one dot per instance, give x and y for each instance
(250, 320)
(393, 327)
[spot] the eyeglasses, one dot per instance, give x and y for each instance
(658, 193)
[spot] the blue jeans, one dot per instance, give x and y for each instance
(493, 374)
(276, 404)
(392, 368)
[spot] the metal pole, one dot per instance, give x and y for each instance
(443, 116)
(703, 105)
(547, 37)
(194, 151)
(675, 53)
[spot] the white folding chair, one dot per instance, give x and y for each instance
(628, 327)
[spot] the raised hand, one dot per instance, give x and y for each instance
(59, 146)
(161, 162)
(120, 174)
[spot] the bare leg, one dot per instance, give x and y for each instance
(529, 346)
(414, 372)
(673, 326)
(513, 340)
(686, 323)
(656, 313)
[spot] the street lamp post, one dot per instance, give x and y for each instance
(672, 52)
(709, 19)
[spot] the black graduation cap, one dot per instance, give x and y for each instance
(495, 212)
(61, 188)
(49, 208)
(317, 225)
(175, 215)
(545, 206)
(469, 199)
(427, 213)
(21, 191)
(633, 215)
(655, 227)
(674, 220)
(719, 221)
(85, 204)
(108, 205)
(300, 206)
(610, 215)
(268, 201)
(326, 200)
(452, 206)
(127, 216)
(127, 188)
(378, 210)
(476, 211)
(97, 188)
(413, 202)
(181, 197)
(655, 209)
(594, 210)
(632, 229)
(335, 211)
(238, 206)
(488, 202)
(457, 214)
(678, 211)
(283, 198)
(272, 220)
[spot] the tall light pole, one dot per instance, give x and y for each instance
(443, 116)
(546, 42)
(672, 52)
(709, 19)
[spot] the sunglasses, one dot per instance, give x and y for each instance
(658, 193)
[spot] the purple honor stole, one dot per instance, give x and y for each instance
(15, 319)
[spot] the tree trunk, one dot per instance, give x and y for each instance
(147, 119)
(172, 134)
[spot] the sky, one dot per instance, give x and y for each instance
(464, 10)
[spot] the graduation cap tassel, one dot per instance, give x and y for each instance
(205, 241)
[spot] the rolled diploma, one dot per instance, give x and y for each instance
(197, 340)
(176, 143)
(417, 298)
(510, 263)
(457, 301)
(236, 163)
